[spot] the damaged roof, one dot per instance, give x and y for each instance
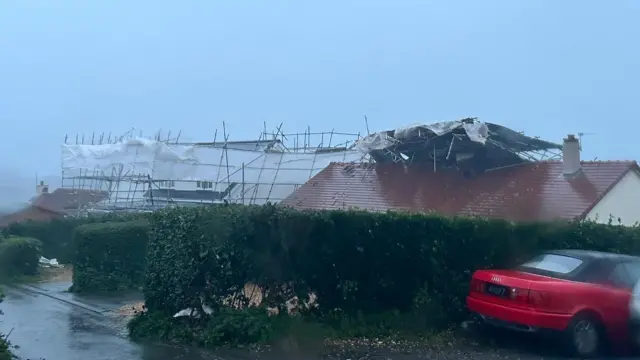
(526, 192)
(468, 143)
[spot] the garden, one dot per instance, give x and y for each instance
(232, 275)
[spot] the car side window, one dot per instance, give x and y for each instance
(633, 269)
(621, 277)
(597, 273)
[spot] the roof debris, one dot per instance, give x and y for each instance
(468, 143)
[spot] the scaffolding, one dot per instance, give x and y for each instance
(140, 173)
(136, 173)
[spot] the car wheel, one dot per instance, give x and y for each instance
(584, 337)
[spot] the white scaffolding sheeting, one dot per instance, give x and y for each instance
(135, 166)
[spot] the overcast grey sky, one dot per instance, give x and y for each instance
(545, 67)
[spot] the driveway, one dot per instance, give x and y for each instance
(47, 322)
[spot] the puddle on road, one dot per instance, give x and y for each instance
(46, 328)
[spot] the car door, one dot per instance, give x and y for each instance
(614, 303)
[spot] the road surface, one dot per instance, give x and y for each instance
(48, 323)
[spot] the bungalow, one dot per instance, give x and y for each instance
(531, 191)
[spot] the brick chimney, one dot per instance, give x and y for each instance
(570, 155)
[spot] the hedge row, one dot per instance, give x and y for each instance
(110, 256)
(19, 256)
(355, 261)
(56, 235)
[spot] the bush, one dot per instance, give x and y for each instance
(19, 256)
(56, 235)
(226, 328)
(110, 256)
(362, 265)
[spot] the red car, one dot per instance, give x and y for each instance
(585, 295)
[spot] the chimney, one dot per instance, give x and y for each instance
(42, 188)
(570, 155)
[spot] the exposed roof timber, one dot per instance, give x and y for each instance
(514, 138)
(444, 143)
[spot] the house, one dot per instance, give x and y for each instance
(530, 191)
(53, 205)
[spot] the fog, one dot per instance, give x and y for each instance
(16, 188)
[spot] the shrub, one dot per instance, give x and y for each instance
(363, 265)
(109, 256)
(19, 256)
(225, 328)
(56, 235)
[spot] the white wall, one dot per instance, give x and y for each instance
(623, 201)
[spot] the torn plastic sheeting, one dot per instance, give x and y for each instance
(139, 154)
(477, 131)
(375, 141)
(192, 162)
(438, 128)
(191, 312)
(49, 262)
(188, 312)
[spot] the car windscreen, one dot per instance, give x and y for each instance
(552, 264)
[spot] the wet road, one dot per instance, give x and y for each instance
(48, 323)
(72, 328)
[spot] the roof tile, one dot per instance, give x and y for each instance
(63, 200)
(527, 192)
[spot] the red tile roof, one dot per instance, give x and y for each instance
(63, 200)
(527, 192)
(28, 213)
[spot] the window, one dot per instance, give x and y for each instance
(553, 263)
(166, 183)
(204, 184)
(626, 274)
(634, 271)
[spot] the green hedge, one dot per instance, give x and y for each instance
(19, 256)
(56, 235)
(109, 256)
(354, 261)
